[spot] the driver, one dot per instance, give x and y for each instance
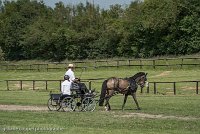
(70, 72)
(75, 81)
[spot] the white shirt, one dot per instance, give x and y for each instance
(65, 87)
(71, 75)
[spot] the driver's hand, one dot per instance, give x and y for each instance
(77, 80)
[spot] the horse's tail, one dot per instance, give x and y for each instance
(103, 93)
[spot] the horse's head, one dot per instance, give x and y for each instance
(141, 79)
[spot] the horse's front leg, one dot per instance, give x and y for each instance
(136, 102)
(125, 98)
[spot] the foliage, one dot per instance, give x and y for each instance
(1, 55)
(31, 30)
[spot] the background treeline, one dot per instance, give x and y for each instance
(31, 30)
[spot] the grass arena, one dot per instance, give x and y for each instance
(25, 111)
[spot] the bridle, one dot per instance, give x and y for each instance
(141, 81)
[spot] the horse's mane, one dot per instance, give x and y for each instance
(130, 78)
(137, 75)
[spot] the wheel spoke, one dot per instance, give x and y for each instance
(68, 104)
(53, 105)
(88, 104)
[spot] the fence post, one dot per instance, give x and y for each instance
(117, 63)
(38, 67)
(166, 61)
(7, 84)
(60, 84)
(47, 65)
(140, 64)
(33, 85)
(95, 64)
(46, 84)
(89, 85)
(21, 84)
(174, 88)
(154, 87)
(182, 63)
(154, 65)
(106, 63)
(148, 88)
(197, 87)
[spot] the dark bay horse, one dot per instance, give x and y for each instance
(126, 86)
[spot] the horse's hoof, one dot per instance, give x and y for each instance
(138, 108)
(107, 109)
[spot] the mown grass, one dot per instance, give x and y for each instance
(100, 121)
(171, 75)
(96, 122)
(154, 104)
(184, 104)
(183, 62)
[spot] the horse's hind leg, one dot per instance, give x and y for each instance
(107, 104)
(136, 102)
(125, 98)
(109, 95)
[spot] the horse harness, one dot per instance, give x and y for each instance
(125, 90)
(130, 88)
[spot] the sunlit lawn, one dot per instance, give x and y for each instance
(100, 121)
(184, 104)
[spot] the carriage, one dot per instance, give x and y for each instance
(78, 100)
(86, 101)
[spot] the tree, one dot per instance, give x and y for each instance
(31, 30)
(1, 6)
(1, 55)
(17, 16)
(187, 31)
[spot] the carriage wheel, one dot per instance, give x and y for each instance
(88, 104)
(68, 104)
(53, 105)
(79, 104)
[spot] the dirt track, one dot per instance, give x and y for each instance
(22, 108)
(159, 116)
(126, 115)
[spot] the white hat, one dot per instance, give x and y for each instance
(70, 65)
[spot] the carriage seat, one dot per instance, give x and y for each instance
(63, 96)
(79, 88)
(55, 96)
